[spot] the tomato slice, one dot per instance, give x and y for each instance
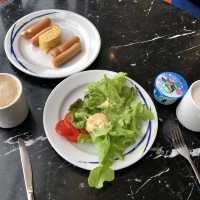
(73, 138)
(68, 117)
(67, 120)
(82, 131)
(61, 128)
(65, 130)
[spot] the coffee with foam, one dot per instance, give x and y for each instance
(9, 90)
(196, 94)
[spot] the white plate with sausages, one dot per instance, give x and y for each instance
(84, 155)
(33, 61)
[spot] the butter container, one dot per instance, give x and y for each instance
(169, 87)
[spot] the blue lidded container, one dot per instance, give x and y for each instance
(169, 87)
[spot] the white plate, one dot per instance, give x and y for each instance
(84, 155)
(31, 60)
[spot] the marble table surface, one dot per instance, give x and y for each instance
(140, 37)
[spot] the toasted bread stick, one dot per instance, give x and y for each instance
(67, 55)
(35, 39)
(36, 28)
(68, 43)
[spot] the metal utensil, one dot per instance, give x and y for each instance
(27, 170)
(182, 149)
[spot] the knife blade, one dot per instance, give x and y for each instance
(26, 168)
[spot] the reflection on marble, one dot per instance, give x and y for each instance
(28, 143)
(150, 179)
(159, 152)
(137, 42)
(153, 39)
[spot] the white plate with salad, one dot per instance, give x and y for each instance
(101, 121)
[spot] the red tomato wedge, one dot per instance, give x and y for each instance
(66, 129)
(67, 120)
(68, 117)
(60, 128)
(82, 130)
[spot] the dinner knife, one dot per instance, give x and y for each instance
(27, 170)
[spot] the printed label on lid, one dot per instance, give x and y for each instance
(171, 84)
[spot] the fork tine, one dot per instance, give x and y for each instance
(178, 144)
(172, 136)
(182, 149)
(174, 139)
(178, 138)
(181, 135)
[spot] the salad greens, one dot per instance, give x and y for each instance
(114, 98)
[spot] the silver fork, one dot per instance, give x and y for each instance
(182, 149)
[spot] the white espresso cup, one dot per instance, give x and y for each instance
(188, 110)
(13, 105)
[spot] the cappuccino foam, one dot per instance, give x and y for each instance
(9, 90)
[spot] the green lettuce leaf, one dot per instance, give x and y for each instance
(125, 115)
(99, 175)
(84, 138)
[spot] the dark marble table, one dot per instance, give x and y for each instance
(140, 37)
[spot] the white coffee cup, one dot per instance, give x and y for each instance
(188, 110)
(16, 110)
